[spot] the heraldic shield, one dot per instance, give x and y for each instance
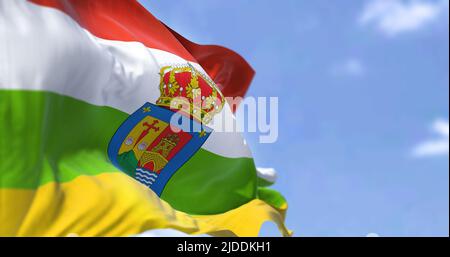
(151, 149)
(148, 145)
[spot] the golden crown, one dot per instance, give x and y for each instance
(189, 91)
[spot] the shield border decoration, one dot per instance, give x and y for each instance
(181, 157)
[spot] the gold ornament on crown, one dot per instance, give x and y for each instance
(203, 103)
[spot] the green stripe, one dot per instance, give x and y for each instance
(271, 197)
(47, 137)
(218, 184)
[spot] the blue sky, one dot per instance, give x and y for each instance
(363, 89)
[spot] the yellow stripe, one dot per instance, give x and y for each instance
(114, 204)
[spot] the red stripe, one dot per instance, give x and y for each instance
(228, 69)
(127, 20)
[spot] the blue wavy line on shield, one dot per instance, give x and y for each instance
(145, 176)
(147, 183)
(150, 174)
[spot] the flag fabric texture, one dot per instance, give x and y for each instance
(72, 73)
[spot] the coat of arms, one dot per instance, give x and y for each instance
(148, 145)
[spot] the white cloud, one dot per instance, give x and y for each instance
(395, 16)
(372, 235)
(350, 67)
(438, 146)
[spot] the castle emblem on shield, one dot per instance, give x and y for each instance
(148, 146)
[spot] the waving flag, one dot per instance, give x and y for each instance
(86, 89)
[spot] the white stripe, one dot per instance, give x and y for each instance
(268, 174)
(44, 49)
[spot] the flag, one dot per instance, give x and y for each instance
(85, 100)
